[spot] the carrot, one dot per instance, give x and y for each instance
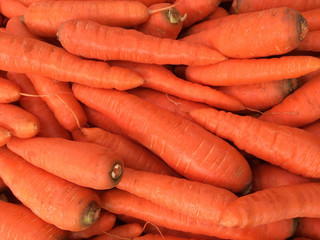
(202, 156)
(240, 6)
(17, 28)
(85, 164)
(105, 223)
(217, 13)
(121, 202)
(159, 237)
(133, 155)
(92, 40)
(313, 127)
(125, 231)
(285, 28)
(305, 78)
(248, 71)
(9, 91)
(5, 136)
(12, 8)
(313, 18)
(43, 18)
(311, 42)
(18, 222)
(56, 63)
(162, 24)
(195, 10)
(262, 96)
(277, 144)
(55, 200)
(298, 109)
(309, 227)
(50, 127)
(159, 78)
(273, 204)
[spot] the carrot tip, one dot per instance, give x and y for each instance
(91, 214)
(116, 172)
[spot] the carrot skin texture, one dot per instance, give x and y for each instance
(15, 27)
(313, 19)
(311, 42)
(274, 143)
(313, 128)
(9, 91)
(92, 40)
(129, 231)
(309, 227)
(198, 159)
(53, 199)
(12, 8)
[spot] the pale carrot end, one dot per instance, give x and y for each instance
(91, 214)
(229, 220)
(302, 26)
(116, 172)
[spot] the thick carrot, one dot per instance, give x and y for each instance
(92, 40)
(121, 202)
(248, 71)
(58, 64)
(18, 222)
(9, 91)
(105, 223)
(313, 18)
(202, 156)
(43, 18)
(285, 28)
(309, 227)
(125, 231)
(55, 200)
(273, 204)
(311, 42)
(240, 6)
(133, 155)
(50, 127)
(159, 78)
(298, 109)
(12, 8)
(290, 148)
(262, 96)
(85, 164)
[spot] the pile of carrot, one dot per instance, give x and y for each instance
(159, 119)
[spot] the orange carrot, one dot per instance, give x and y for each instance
(133, 155)
(285, 28)
(58, 64)
(162, 24)
(2, 184)
(56, 201)
(92, 40)
(121, 202)
(18, 222)
(12, 8)
(313, 127)
(5, 136)
(311, 42)
(298, 109)
(309, 227)
(262, 96)
(217, 13)
(248, 71)
(305, 78)
(50, 127)
(85, 164)
(9, 91)
(159, 78)
(105, 223)
(125, 231)
(159, 237)
(43, 18)
(313, 18)
(202, 156)
(240, 6)
(17, 28)
(273, 204)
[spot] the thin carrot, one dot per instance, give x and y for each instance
(9, 91)
(273, 204)
(313, 19)
(50, 127)
(133, 155)
(309, 227)
(85, 164)
(264, 33)
(124, 231)
(58, 64)
(311, 42)
(57, 201)
(290, 148)
(248, 71)
(159, 78)
(18, 222)
(202, 156)
(92, 40)
(12, 8)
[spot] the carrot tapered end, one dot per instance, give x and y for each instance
(91, 214)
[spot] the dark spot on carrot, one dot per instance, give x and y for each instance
(295, 225)
(116, 172)
(302, 27)
(90, 214)
(246, 189)
(22, 19)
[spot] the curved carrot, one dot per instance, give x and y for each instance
(85, 164)
(311, 42)
(285, 28)
(56, 63)
(18, 222)
(126, 231)
(55, 200)
(290, 148)
(92, 40)
(309, 227)
(43, 18)
(247, 71)
(202, 156)
(273, 204)
(159, 78)
(12, 8)
(9, 91)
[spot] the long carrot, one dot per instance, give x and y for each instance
(273, 204)
(309, 227)
(18, 222)
(311, 42)
(12, 8)
(85, 164)
(278, 144)
(92, 40)
(60, 65)
(264, 33)
(124, 231)
(159, 78)
(202, 156)
(57, 201)
(247, 71)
